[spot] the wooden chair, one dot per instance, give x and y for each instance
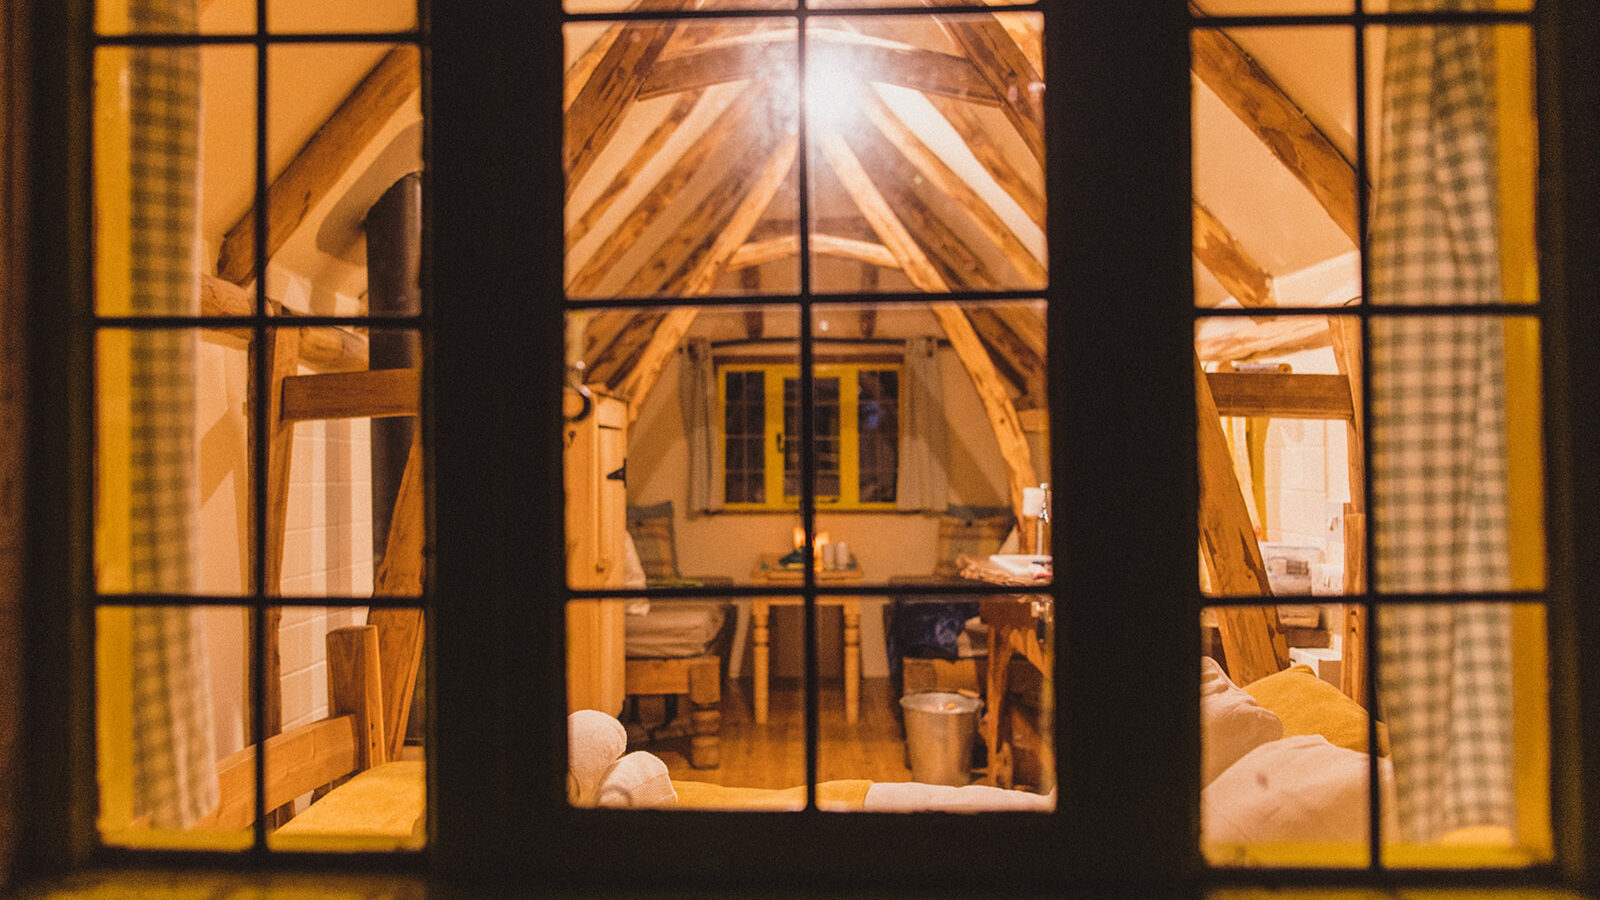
(699, 677)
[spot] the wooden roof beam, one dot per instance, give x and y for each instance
(1269, 394)
(734, 122)
(642, 155)
(597, 111)
(1273, 337)
(1246, 88)
(1007, 70)
(945, 180)
(760, 54)
(758, 253)
(324, 159)
(1219, 251)
(1001, 166)
(331, 349)
(1021, 366)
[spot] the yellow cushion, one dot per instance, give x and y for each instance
(1308, 705)
(843, 794)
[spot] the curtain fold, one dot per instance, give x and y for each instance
(1438, 433)
(174, 757)
(922, 483)
(697, 399)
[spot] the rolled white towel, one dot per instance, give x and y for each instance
(638, 781)
(595, 741)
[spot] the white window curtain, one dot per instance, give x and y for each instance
(697, 398)
(1438, 433)
(922, 483)
(174, 755)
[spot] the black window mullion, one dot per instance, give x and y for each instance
(808, 415)
(1118, 183)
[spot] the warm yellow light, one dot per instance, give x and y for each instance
(830, 92)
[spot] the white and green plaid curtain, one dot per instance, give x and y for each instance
(174, 756)
(1438, 432)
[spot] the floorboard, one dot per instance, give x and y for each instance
(773, 755)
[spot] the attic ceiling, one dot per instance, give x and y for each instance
(925, 169)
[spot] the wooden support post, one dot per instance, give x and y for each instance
(1252, 640)
(1345, 333)
(400, 631)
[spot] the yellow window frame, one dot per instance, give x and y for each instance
(848, 374)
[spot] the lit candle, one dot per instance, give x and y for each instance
(799, 537)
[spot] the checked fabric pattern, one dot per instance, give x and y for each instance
(174, 756)
(1438, 433)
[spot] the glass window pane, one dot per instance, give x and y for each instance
(1465, 695)
(1280, 738)
(172, 502)
(1453, 152)
(927, 151)
(130, 17)
(704, 450)
(962, 722)
(1274, 7)
(333, 698)
(681, 175)
(307, 17)
(171, 717)
(664, 710)
(1280, 455)
(358, 105)
(352, 443)
(1455, 507)
(611, 6)
(1275, 205)
(174, 156)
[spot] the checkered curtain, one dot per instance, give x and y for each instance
(1438, 432)
(174, 756)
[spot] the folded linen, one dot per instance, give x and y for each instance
(595, 741)
(637, 781)
(912, 796)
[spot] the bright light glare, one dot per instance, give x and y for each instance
(830, 93)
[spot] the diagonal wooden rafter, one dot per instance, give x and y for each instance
(1247, 89)
(733, 122)
(1252, 640)
(324, 159)
(734, 206)
(945, 180)
(1219, 251)
(898, 184)
(626, 175)
(1001, 166)
(1006, 69)
(597, 111)
(1011, 354)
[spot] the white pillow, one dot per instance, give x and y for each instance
(1232, 723)
(1298, 789)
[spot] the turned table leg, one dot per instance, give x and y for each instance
(852, 659)
(705, 696)
(759, 610)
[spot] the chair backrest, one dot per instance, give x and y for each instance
(976, 531)
(651, 529)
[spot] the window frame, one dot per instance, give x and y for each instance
(499, 729)
(773, 469)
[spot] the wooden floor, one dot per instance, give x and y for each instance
(773, 755)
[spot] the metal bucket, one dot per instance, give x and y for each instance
(940, 728)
